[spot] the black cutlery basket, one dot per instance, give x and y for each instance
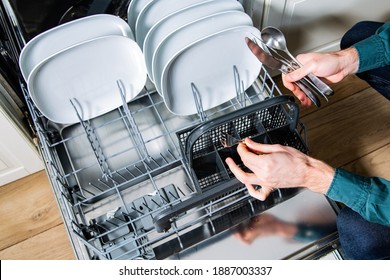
(273, 121)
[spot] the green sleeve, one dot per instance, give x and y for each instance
(374, 52)
(369, 196)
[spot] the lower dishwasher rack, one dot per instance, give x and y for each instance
(114, 174)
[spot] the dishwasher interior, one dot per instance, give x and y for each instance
(142, 183)
(130, 185)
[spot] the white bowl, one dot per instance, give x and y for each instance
(87, 75)
(156, 10)
(67, 35)
(135, 7)
(208, 64)
(191, 33)
(171, 23)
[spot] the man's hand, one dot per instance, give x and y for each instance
(277, 166)
(330, 67)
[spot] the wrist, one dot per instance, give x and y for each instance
(349, 60)
(319, 176)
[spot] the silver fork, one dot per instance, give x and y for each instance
(228, 140)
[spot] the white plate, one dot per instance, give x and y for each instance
(135, 7)
(87, 72)
(68, 34)
(182, 17)
(208, 64)
(156, 10)
(191, 33)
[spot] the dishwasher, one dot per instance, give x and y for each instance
(139, 182)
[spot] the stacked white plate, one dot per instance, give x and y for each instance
(81, 62)
(191, 48)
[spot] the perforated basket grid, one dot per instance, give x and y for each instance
(273, 121)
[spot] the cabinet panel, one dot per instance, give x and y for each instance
(18, 157)
(313, 25)
(3, 165)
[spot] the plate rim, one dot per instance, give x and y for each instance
(166, 69)
(147, 50)
(149, 6)
(32, 93)
(24, 54)
(178, 50)
(130, 8)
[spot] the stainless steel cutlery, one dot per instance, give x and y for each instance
(273, 52)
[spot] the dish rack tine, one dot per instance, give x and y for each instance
(93, 141)
(198, 103)
(240, 92)
(134, 131)
(240, 95)
(79, 112)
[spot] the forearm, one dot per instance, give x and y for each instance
(318, 176)
(349, 61)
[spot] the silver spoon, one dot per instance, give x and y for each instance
(275, 39)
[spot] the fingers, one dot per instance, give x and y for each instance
(261, 193)
(290, 86)
(306, 68)
(249, 153)
(259, 147)
(297, 74)
(243, 177)
(305, 101)
(249, 180)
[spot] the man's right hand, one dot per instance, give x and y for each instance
(330, 67)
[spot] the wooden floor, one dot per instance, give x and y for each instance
(351, 131)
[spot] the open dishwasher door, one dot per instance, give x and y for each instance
(302, 227)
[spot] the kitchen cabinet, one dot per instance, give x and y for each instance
(313, 25)
(18, 156)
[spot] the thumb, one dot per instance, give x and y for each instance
(297, 74)
(262, 148)
(260, 194)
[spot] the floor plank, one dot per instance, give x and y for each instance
(350, 128)
(376, 163)
(52, 244)
(27, 208)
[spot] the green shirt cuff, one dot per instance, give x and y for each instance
(374, 52)
(374, 59)
(368, 196)
(348, 188)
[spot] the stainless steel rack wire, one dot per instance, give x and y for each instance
(115, 174)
